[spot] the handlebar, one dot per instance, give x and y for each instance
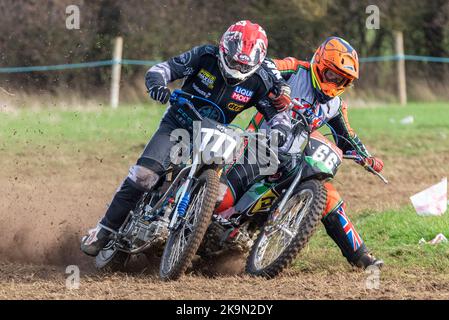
(295, 102)
(381, 177)
(180, 98)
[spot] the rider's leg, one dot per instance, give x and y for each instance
(239, 177)
(342, 231)
(235, 182)
(141, 178)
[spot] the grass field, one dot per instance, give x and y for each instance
(133, 124)
(59, 168)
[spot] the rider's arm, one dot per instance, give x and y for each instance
(176, 67)
(289, 66)
(341, 126)
(273, 83)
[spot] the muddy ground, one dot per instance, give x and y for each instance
(47, 206)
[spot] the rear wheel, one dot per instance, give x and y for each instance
(281, 239)
(184, 241)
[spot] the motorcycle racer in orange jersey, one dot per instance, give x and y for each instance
(317, 85)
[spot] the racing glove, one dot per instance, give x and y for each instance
(281, 98)
(375, 163)
(372, 162)
(160, 93)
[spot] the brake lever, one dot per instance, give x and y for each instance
(368, 168)
(377, 174)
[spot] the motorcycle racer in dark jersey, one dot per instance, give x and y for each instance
(235, 75)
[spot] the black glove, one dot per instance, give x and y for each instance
(160, 93)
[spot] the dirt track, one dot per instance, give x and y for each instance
(35, 282)
(45, 209)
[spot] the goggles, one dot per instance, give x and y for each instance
(333, 77)
(236, 65)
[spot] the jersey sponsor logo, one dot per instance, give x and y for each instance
(201, 92)
(207, 78)
(235, 106)
(241, 94)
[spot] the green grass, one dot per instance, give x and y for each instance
(392, 236)
(46, 126)
(428, 132)
(134, 125)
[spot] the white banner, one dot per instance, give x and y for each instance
(431, 201)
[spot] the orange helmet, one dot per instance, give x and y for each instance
(334, 66)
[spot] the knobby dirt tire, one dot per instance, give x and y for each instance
(211, 179)
(306, 229)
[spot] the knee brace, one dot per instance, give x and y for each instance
(139, 180)
(143, 178)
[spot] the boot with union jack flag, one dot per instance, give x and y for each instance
(342, 231)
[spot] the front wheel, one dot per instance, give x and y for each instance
(281, 239)
(183, 242)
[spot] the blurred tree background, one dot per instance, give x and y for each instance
(34, 33)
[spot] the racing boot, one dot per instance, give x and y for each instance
(342, 231)
(125, 199)
(368, 260)
(96, 240)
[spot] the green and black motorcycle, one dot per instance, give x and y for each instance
(278, 215)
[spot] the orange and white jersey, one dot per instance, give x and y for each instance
(297, 74)
(334, 112)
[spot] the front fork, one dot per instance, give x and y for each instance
(288, 193)
(271, 226)
(184, 198)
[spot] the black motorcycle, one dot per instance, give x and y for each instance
(177, 212)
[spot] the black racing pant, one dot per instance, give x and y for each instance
(155, 156)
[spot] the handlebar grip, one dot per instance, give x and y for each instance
(369, 168)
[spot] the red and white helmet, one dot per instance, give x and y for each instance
(243, 47)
